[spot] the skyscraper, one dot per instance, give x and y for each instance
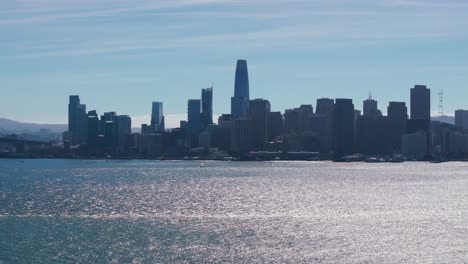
(343, 128)
(397, 111)
(157, 117)
(275, 125)
(124, 129)
(73, 103)
(461, 119)
(92, 128)
(240, 101)
(207, 106)
(77, 120)
(194, 115)
(324, 106)
(370, 108)
(259, 112)
(420, 103)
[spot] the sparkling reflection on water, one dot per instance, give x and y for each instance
(68, 211)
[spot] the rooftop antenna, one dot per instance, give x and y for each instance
(441, 102)
(370, 95)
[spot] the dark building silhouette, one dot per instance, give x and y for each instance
(92, 128)
(378, 135)
(207, 106)
(240, 101)
(420, 112)
(157, 117)
(397, 111)
(324, 106)
(343, 128)
(461, 119)
(77, 118)
(420, 103)
(370, 108)
(124, 129)
(241, 135)
(275, 125)
(194, 122)
(223, 133)
(259, 113)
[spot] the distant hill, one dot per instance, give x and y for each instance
(444, 119)
(15, 127)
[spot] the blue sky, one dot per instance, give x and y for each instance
(123, 54)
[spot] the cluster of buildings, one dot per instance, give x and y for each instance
(333, 130)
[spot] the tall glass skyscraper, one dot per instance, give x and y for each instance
(207, 106)
(77, 120)
(157, 117)
(240, 101)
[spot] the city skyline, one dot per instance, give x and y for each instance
(118, 56)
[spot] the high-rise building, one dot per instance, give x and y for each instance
(343, 128)
(259, 112)
(92, 128)
(194, 124)
(124, 129)
(370, 108)
(324, 106)
(240, 101)
(157, 117)
(461, 119)
(397, 111)
(72, 105)
(275, 125)
(77, 120)
(420, 103)
(110, 135)
(241, 135)
(207, 106)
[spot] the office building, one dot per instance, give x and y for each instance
(157, 117)
(92, 128)
(124, 129)
(275, 125)
(397, 111)
(461, 119)
(370, 108)
(241, 135)
(343, 128)
(259, 113)
(194, 122)
(414, 145)
(77, 119)
(324, 106)
(420, 103)
(207, 106)
(240, 101)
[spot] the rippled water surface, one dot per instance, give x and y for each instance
(70, 211)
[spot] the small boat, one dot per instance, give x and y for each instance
(202, 165)
(374, 160)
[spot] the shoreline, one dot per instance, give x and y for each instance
(205, 159)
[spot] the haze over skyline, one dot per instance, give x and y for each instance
(121, 56)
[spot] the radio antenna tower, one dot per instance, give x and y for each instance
(441, 102)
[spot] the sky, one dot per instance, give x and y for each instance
(121, 55)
